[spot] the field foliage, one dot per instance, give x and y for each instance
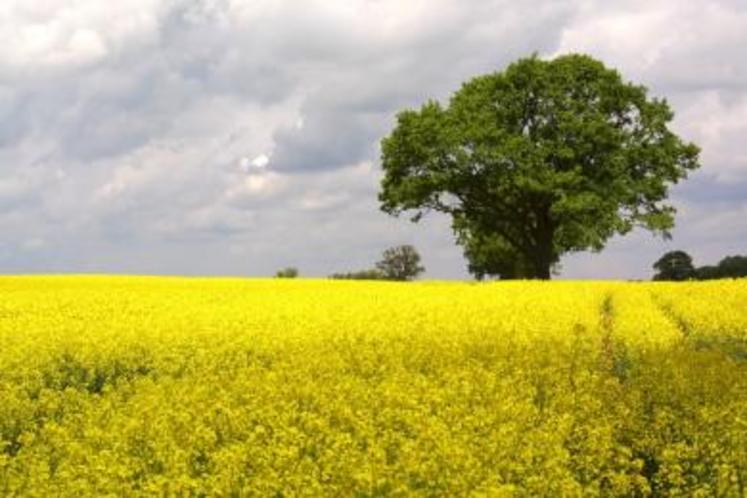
(132, 386)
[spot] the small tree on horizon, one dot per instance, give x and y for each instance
(675, 265)
(400, 263)
(288, 272)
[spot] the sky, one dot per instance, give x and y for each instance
(236, 137)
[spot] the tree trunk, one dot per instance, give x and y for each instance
(543, 257)
(540, 262)
(542, 270)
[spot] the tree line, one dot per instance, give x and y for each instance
(399, 263)
(678, 266)
(402, 263)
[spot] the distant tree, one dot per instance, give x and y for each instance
(733, 267)
(400, 263)
(289, 272)
(728, 267)
(371, 274)
(544, 158)
(707, 273)
(674, 265)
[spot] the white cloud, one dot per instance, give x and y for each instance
(63, 32)
(260, 161)
(255, 186)
(719, 125)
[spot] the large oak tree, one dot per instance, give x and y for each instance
(543, 158)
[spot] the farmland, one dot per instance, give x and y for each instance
(134, 386)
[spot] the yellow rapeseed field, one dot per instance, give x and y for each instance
(154, 386)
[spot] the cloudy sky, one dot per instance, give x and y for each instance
(239, 136)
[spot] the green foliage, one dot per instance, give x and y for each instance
(371, 274)
(707, 272)
(544, 158)
(489, 255)
(677, 265)
(674, 265)
(732, 267)
(400, 263)
(289, 272)
(397, 263)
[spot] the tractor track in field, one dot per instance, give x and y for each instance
(731, 346)
(614, 357)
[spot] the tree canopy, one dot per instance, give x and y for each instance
(678, 265)
(674, 265)
(541, 159)
(732, 267)
(400, 263)
(396, 263)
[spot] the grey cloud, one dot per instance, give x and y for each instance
(705, 188)
(128, 159)
(357, 98)
(327, 140)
